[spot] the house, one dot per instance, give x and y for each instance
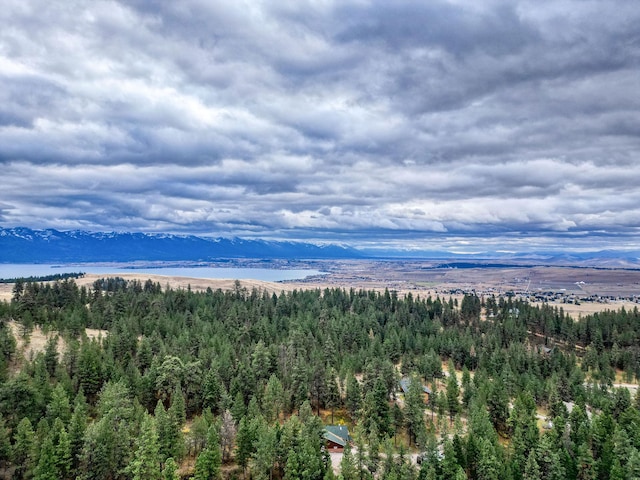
(404, 386)
(336, 437)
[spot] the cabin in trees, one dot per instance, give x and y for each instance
(336, 437)
(404, 386)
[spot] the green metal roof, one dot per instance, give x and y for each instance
(338, 434)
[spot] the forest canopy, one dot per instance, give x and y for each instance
(240, 383)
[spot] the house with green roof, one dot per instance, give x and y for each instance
(337, 437)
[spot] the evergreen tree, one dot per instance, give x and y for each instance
(238, 409)
(170, 471)
(212, 390)
(348, 470)
(46, 468)
(531, 469)
(376, 409)
(5, 443)
(498, 405)
(453, 392)
(450, 466)
(90, 372)
(23, 448)
(273, 400)
(209, 461)
(177, 409)
(633, 464)
(265, 452)
(617, 471)
(245, 439)
(585, 463)
(62, 449)
(107, 441)
(169, 428)
(77, 428)
(51, 355)
(373, 451)
(59, 406)
(523, 423)
(548, 460)
(414, 410)
(145, 464)
(353, 396)
(331, 391)
(488, 463)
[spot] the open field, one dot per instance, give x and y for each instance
(611, 288)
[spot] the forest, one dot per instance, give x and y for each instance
(240, 384)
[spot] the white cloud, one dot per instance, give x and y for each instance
(323, 118)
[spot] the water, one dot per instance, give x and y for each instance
(266, 274)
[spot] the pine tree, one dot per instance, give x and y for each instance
(244, 442)
(414, 410)
(523, 424)
(23, 447)
(238, 408)
(332, 393)
(273, 400)
(5, 443)
(59, 406)
(212, 390)
(107, 441)
(145, 464)
(353, 397)
(453, 392)
(177, 409)
(450, 464)
(373, 450)
(265, 451)
(62, 449)
(209, 460)
(170, 443)
(293, 469)
(348, 469)
(531, 469)
(90, 368)
(177, 417)
(46, 468)
(633, 464)
(206, 466)
(51, 355)
(585, 463)
(548, 459)
(488, 465)
(498, 405)
(170, 471)
(77, 427)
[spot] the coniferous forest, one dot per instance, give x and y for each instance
(240, 384)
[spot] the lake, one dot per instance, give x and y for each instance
(266, 274)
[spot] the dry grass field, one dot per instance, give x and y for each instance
(420, 278)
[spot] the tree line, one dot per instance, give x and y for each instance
(234, 382)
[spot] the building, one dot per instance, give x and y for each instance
(404, 386)
(336, 437)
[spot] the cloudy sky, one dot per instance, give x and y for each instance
(421, 123)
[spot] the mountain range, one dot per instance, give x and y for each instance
(24, 245)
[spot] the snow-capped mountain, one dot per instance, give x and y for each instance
(24, 245)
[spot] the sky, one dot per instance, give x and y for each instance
(469, 125)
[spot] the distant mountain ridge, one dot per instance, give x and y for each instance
(24, 245)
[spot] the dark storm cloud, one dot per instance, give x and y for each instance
(400, 121)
